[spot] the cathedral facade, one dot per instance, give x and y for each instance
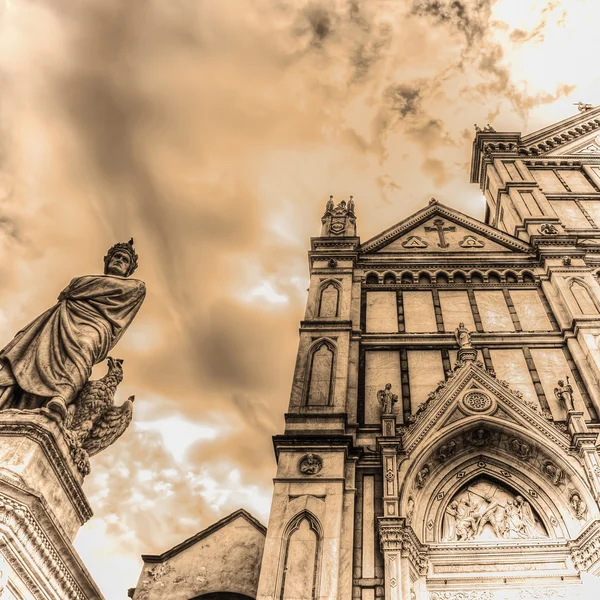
(440, 441)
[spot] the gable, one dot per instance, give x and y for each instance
(440, 229)
(442, 235)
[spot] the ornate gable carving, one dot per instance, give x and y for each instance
(440, 229)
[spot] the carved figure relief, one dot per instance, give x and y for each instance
(387, 399)
(578, 506)
(422, 476)
(520, 449)
(470, 241)
(310, 464)
(447, 450)
(485, 509)
(479, 437)
(553, 472)
(329, 301)
(414, 241)
(410, 510)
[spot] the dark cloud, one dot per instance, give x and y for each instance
(469, 17)
(404, 99)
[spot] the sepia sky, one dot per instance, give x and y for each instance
(213, 132)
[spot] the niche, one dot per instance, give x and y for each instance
(320, 384)
(329, 300)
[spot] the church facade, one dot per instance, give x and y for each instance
(440, 441)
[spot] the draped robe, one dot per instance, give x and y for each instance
(54, 355)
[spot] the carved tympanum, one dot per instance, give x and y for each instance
(486, 510)
(310, 464)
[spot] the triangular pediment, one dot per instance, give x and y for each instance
(472, 394)
(579, 134)
(441, 229)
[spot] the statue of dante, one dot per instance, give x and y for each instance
(49, 361)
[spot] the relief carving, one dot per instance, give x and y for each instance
(548, 229)
(520, 449)
(422, 476)
(470, 241)
(472, 595)
(447, 450)
(480, 437)
(485, 510)
(310, 464)
(578, 506)
(553, 472)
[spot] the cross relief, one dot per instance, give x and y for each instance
(439, 227)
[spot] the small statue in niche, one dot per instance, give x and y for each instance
(310, 464)
(387, 400)
(463, 336)
(554, 473)
(564, 394)
(578, 505)
(50, 360)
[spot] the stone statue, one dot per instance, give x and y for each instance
(422, 476)
(450, 522)
(489, 128)
(463, 336)
(564, 394)
(387, 400)
(583, 107)
(351, 204)
(49, 361)
(93, 421)
(329, 205)
(529, 528)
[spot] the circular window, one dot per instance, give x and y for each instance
(477, 401)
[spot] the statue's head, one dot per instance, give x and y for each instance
(388, 386)
(121, 259)
(561, 383)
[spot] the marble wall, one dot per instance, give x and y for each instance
(382, 312)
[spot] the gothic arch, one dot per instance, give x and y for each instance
(450, 458)
(389, 278)
(320, 368)
(301, 560)
(584, 297)
(329, 305)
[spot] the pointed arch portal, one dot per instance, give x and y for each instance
(489, 493)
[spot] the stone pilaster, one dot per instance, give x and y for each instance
(585, 443)
(402, 552)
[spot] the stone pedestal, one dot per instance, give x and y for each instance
(42, 506)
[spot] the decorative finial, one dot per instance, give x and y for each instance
(433, 201)
(477, 128)
(489, 128)
(583, 107)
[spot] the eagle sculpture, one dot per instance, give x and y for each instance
(93, 421)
